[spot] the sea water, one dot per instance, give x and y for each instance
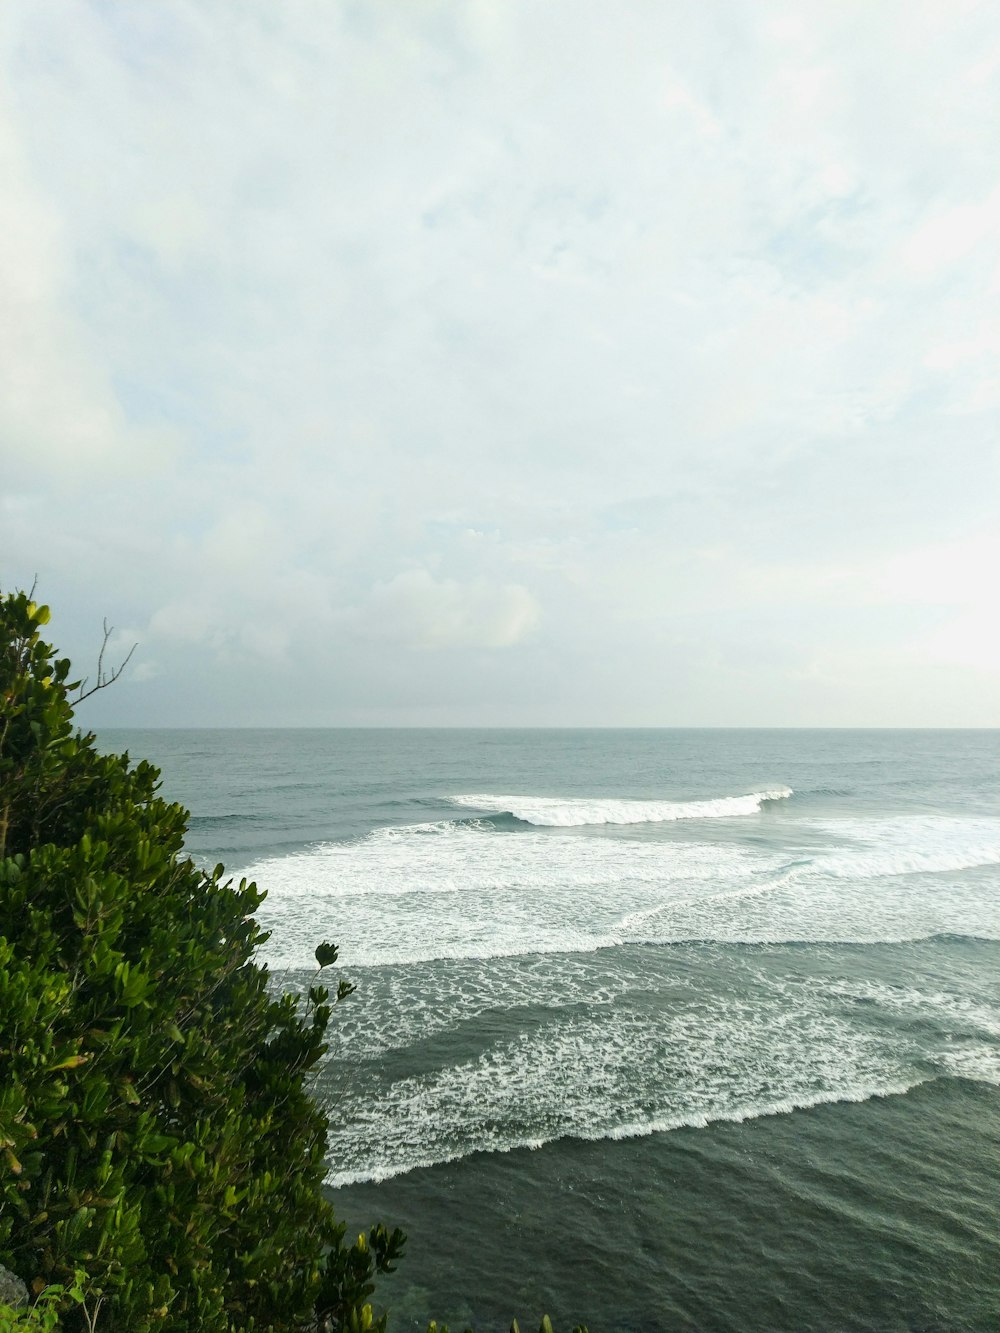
(657, 1030)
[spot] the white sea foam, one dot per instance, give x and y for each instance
(469, 893)
(560, 812)
(459, 889)
(622, 1047)
(384, 1170)
(555, 1038)
(981, 1063)
(615, 1074)
(912, 845)
(949, 1009)
(561, 1035)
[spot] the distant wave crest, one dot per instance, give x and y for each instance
(560, 812)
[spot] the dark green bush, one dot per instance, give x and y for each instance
(161, 1160)
(155, 1125)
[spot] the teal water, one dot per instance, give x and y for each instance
(661, 1030)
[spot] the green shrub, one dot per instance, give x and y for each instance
(161, 1160)
(156, 1129)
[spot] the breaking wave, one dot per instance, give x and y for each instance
(385, 1170)
(559, 812)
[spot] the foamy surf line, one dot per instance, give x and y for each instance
(633, 1130)
(558, 812)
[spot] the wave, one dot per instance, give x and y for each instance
(624, 1047)
(464, 889)
(559, 812)
(919, 845)
(739, 1039)
(376, 1173)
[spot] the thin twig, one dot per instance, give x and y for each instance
(104, 678)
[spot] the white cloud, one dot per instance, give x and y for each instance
(425, 612)
(959, 578)
(190, 621)
(59, 416)
(688, 316)
(969, 640)
(949, 235)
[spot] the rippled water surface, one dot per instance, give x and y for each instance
(661, 1030)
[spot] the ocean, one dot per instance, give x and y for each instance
(654, 1030)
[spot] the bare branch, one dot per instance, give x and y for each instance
(104, 678)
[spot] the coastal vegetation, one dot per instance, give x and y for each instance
(161, 1157)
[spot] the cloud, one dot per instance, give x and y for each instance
(949, 235)
(59, 415)
(188, 621)
(956, 573)
(688, 316)
(423, 612)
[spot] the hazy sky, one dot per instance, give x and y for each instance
(499, 362)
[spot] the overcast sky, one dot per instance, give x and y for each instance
(504, 362)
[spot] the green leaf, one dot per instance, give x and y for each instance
(71, 1062)
(326, 954)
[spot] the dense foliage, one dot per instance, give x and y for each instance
(156, 1130)
(161, 1160)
